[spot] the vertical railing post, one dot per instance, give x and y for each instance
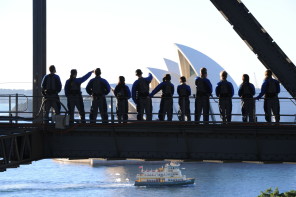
(9, 106)
(16, 107)
(254, 111)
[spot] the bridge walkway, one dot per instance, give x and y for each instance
(149, 140)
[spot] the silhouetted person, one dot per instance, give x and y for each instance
(161, 105)
(51, 85)
(140, 95)
(74, 96)
(122, 93)
(167, 89)
(224, 91)
(246, 92)
(270, 89)
(184, 91)
(202, 99)
(98, 88)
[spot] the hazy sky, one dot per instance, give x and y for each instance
(120, 36)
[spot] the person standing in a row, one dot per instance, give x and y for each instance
(225, 92)
(270, 89)
(51, 85)
(166, 98)
(161, 104)
(122, 93)
(98, 88)
(140, 95)
(246, 92)
(202, 99)
(184, 91)
(74, 96)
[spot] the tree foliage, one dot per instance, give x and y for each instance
(275, 193)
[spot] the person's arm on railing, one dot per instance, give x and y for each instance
(217, 90)
(89, 87)
(157, 89)
(209, 84)
(58, 83)
(232, 90)
(66, 88)
(134, 91)
(128, 92)
(263, 90)
(107, 86)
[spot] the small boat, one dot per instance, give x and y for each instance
(169, 175)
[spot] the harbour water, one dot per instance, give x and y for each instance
(52, 178)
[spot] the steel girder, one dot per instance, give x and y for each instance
(259, 41)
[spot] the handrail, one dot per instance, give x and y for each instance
(25, 114)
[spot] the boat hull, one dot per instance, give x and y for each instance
(156, 184)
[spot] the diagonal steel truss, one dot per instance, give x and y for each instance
(15, 149)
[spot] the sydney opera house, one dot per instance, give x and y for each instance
(189, 64)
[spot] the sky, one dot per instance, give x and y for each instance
(121, 36)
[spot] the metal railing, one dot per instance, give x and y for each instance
(16, 108)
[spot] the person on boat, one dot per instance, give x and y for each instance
(74, 96)
(140, 95)
(122, 93)
(98, 88)
(184, 91)
(167, 89)
(51, 85)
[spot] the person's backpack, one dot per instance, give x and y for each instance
(98, 87)
(246, 91)
(224, 89)
(143, 87)
(167, 92)
(200, 87)
(182, 91)
(74, 87)
(51, 85)
(122, 93)
(271, 88)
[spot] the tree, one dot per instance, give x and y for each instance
(275, 193)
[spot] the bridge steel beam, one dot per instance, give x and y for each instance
(259, 41)
(165, 141)
(18, 146)
(39, 51)
(22, 144)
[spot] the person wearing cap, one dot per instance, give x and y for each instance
(51, 85)
(166, 102)
(270, 89)
(225, 92)
(74, 96)
(122, 93)
(98, 88)
(204, 90)
(184, 91)
(140, 95)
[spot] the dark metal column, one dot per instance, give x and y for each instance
(39, 50)
(259, 41)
